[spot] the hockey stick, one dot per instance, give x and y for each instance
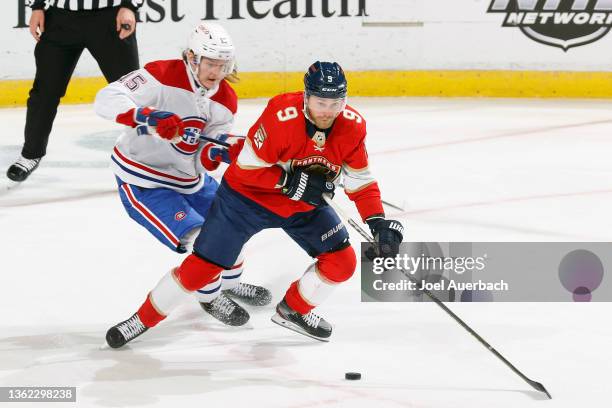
(210, 139)
(219, 142)
(388, 204)
(536, 385)
(395, 207)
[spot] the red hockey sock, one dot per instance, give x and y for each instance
(296, 301)
(195, 272)
(149, 316)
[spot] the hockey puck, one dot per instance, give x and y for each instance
(352, 376)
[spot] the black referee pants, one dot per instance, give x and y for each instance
(67, 34)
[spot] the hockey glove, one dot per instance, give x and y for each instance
(213, 154)
(388, 235)
(167, 125)
(307, 187)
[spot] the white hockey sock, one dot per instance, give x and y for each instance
(231, 277)
(168, 293)
(314, 287)
(189, 238)
(209, 292)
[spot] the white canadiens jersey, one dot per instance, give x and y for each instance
(149, 161)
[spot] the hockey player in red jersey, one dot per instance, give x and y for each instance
(296, 152)
(161, 162)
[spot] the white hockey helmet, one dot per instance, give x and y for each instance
(210, 40)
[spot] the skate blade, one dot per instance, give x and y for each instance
(292, 326)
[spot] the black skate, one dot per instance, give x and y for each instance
(22, 168)
(124, 332)
(226, 311)
(250, 294)
(308, 324)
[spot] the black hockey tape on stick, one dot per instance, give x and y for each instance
(219, 142)
(210, 139)
(536, 385)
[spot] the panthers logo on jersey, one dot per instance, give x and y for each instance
(191, 139)
(318, 164)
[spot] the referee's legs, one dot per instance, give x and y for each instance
(115, 57)
(56, 56)
(55, 63)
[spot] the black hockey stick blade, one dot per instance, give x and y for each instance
(538, 386)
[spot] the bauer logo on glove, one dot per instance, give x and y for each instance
(388, 235)
(305, 186)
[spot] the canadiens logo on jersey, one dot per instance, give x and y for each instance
(318, 164)
(191, 139)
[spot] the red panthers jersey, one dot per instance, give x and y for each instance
(283, 139)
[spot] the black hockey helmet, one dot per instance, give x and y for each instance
(325, 80)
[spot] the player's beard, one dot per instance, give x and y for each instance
(324, 123)
(320, 123)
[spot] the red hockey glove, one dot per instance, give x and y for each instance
(167, 125)
(213, 154)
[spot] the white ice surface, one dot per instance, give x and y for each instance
(73, 264)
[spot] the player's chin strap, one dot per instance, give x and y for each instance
(202, 91)
(193, 72)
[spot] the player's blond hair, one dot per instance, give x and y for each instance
(233, 77)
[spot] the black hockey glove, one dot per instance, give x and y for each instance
(388, 235)
(307, 187)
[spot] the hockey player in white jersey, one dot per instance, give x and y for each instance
(160, 161)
